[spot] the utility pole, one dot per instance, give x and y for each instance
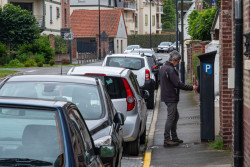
(150, 26)
(177, 31)
(182, 47)
(238, 90)
(99, 53)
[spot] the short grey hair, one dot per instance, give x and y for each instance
(174, 55)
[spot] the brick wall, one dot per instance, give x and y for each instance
(65, 13)
(226, 61)
(246, 89)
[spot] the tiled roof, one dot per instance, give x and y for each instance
(85, 23)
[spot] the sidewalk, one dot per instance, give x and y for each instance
(192, 153)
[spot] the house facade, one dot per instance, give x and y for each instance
(136, 13)
(51, 16)
(86, 32)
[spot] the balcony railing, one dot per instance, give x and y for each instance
(159, 9)
(41, 20)
(158, 26)
(129, 5)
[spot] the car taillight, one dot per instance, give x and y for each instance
(147, 75)
(95, 74)
(154, 67)
(130, 95)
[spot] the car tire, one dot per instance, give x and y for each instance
(151, 100)
(143, 136)
(133, 147)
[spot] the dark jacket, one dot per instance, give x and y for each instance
(171, 84)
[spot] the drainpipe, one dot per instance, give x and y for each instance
(238, 91)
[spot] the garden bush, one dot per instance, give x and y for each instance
(40, 46)
(39, 64)
(3, 54)
(15, 63)
(52, 62)
(61, 45)
(65, 61)
(196, 62)
(31, 62)
(39, 58)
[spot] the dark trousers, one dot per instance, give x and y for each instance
(171, 122)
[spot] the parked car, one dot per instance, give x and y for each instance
(88, 94)
(163, 47)
(46, 133)
(140, 66)
(174, 45)
(154, 62)
(131, 47)
(123, 89)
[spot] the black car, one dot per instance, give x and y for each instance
(46, 133)
(88, 94)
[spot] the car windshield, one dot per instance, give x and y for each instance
(30, 136)
(132, 47)
(143, 51)
(86, 97)
(165, 43)
(126, 62)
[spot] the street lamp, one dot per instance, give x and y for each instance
(99, 52)
(182, 47)
(150, 26)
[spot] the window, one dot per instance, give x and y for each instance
(89, 102)
(134, 83)
(117, 44)
(121, 46)
(153, 20)
(126, 62)
(51, 21)
(146, 19)
(57, 12)
(65, 17)
(26, 130)
(109, 2)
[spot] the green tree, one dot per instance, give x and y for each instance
(168, 17)
(200, 23)
(17, 26)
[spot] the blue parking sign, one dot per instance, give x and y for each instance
(207, 68)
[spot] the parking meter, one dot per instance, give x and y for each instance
(206, 88)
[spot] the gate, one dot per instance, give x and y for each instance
(86, 47)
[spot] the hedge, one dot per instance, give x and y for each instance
(144, 40)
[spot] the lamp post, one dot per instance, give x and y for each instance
(177, 32)
(99, 52)
(150, 26)
(182, 47)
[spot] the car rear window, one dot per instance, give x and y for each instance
(113, 85)
(151, 61)
(86, 97)
(126, 62)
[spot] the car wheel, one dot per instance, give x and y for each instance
(143, 136)
(150, 102)
(134, 147)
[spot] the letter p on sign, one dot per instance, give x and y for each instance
(207, 68)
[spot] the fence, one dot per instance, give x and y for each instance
(86, 57)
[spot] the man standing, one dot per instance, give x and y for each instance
(170, 89)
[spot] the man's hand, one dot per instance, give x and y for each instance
(195, 87)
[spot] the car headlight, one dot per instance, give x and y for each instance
(106, 140)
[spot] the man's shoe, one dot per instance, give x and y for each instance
(177, 140)
(170, 143)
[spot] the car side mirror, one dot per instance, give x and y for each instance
(145, 94)
(159, 59)
(107, 151)
(119, 118)
(159, 64)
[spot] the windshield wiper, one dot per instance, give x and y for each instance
(24, 162)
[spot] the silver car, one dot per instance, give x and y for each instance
(125, 94)
(140, 66)
(164, 47)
